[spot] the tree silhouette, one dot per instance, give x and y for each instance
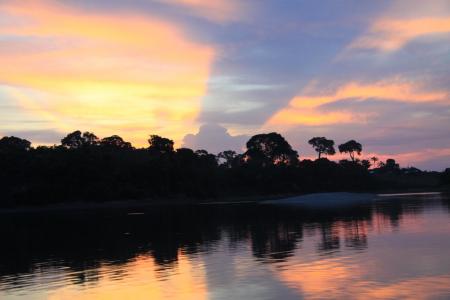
(391, 164)
(445, 177)
(115, 142)
(206, 157)
(160, 145)
(90, 139)
(351, 147)
(201, 153)
(374, 159)
(85, 168)
(76, 140)
(365, 163)
(185, 152)
(228, 157)
(322, 146)
(14, 144)
(270, 149)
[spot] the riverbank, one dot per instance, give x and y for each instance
(325, 200)
(80, 206)
(321, 200)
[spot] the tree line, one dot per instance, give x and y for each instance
(86, 168)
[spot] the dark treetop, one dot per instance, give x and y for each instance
(87, 168)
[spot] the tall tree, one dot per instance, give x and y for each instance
(76, 140)
(206, 157)
(391, 164)
(351, 147)
(115, 142)
(228, 157)
(322, 145)
(14, 144)
(374, 159)
(270, 149)
(365, 163)
(160, 145)
(90, 139)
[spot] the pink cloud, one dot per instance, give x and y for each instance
(304, 109)
(392, 34)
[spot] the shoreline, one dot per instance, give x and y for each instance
(81, 206)
(331, 199)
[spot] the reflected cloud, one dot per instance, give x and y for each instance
(186, 280)
(427, 287)
(323, 278)
(165, 252)
(320, 279)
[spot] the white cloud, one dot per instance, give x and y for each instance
(215, 138)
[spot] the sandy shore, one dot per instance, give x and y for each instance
(317, 200)
(328, 200)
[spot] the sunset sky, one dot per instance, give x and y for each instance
(209, 74)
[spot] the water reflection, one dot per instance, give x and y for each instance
(396, 247)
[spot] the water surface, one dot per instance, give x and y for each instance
(394, 248)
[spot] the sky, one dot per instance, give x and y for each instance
(210, 74)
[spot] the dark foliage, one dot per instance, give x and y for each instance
(115, 142)
(86, 168)
(322, 145)
(445, 177)
(160, 145)
(77, 140)
(13, 144)
(269, 149)
(351, 147)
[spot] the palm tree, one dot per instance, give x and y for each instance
(374, 159)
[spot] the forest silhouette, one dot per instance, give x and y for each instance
(89, 169)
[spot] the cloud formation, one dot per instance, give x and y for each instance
(39, 137)
(129, 74)
(392, 34)
(305, 109)
(137, 67)
(215, 138)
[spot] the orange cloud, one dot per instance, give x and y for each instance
(390, 35)
(125, 74)
(304, 109)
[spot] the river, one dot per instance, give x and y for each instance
(396, 247)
